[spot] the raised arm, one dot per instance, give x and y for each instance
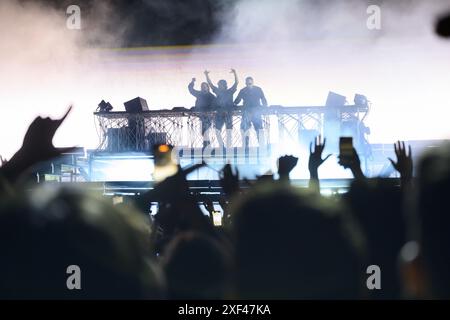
(208, 79)
(236, 80)
(191, 89)
(285, 165)
(37, 147)
(354, 164)
(263, 99)
(315, 161)
(404, 164)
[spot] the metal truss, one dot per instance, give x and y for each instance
(122, 131)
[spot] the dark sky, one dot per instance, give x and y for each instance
(171, 22)
(156, 22)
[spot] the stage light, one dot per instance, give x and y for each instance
(163, 148)
(104, 106)
(123, 167)
(360, 100)
(335, 100)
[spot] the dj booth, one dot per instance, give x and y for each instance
(139, 130)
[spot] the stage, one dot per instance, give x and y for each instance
(126, 138)
(99, 167)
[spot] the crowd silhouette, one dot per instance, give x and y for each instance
(275, 242)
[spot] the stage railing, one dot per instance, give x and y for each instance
(122, 131)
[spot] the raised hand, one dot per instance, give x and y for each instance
(404, 164)
(193, 80)
(353, 163)
(37, 144)
(233, 71)
(315, 155)
(285, 166)
(206, 72)
(228, 180)
(37, 147)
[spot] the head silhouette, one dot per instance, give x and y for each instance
(43, 234)
(249, 82)
(196, 267)
(434, 220)
(222, 84)
(292, 246)
(204, 87)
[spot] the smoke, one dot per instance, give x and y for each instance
(266, 21)
(296, 50)
(45, 67)
(300, 50)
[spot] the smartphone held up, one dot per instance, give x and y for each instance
(345, 151)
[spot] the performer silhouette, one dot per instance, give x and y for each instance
(254, 100)
(224, 106)
(204, 102)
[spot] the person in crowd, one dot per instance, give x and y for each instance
(291, 245)
(276, 241)
(377, 205)
(197, 267)
(426, 258)
(70, 244)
